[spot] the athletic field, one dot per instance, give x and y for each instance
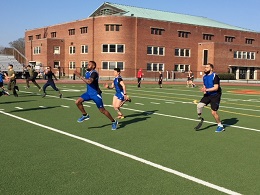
(155, 149)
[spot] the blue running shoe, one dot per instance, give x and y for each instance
(83, 118)
(220, 129)
(114, 125)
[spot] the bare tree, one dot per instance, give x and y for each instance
(18, 44)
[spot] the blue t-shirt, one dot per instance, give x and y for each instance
(1, 77)
(209, 81)
(93, 88)
(118, 87)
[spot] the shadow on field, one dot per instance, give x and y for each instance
(35, 109)
(137, 117)
(230, 121)
(13, 102)
(225, 122)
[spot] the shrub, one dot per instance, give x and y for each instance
(227, 76)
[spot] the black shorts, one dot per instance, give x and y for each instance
(213, 100)
(1, 84)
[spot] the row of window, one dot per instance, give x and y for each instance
(244, 55)
(154, 31)
(205, 36)
(108, 65)
(152, 67)
(151, 50)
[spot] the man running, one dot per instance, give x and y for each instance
(50, 82)
(10, 76)
(212, 95)
(93, 93)
(32, 76)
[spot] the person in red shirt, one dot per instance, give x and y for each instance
(140, 75)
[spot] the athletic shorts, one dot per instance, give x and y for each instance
(1, 84)
(120, 96)
(213, 100)
(96, 98)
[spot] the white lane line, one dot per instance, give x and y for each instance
(139, 104)
(65, 106)
(155, 103)
(158, 166)
(19, 108)
(42, 107)
(86, 105)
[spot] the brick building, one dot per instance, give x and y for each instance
(130, 38)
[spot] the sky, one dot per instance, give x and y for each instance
(19, 15)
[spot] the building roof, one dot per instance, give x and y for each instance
(125, 10)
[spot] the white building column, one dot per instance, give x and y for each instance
(247, 73)
(237, 73)
(255, 74)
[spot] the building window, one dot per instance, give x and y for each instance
(84, 49)
(112, 65)
(72, 65)
(38, 36)
(244, 55)
(72, 50)
(229, 38)
(249, 41)
(207, 36)
(183, 34)
(113, 48)
(30, 38)
(154, 67)
(36, 50)
(112, 27)
(56, 50)
(182, 52)
(157, 31)
(205, 56)
(181, 67)
(53, 34)
(84, 64)
(84, 30)
(56, 64)
(72, 31)
(152, 50)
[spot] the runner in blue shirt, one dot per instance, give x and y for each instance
(3, 92)
(120, 97)
(93, 93)
(212, 95)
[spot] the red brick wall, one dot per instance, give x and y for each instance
(136, 35)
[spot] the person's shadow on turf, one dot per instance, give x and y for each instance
(225, 122)
(136, 118)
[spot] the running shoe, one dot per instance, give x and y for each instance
(220, 129)
(83, 118)
(114, 125)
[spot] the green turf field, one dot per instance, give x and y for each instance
(155, 149)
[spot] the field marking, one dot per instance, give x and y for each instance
(19, 108)
(155, 103)
(139, 104)
(166, 115)
(64, 106)
(158, 166)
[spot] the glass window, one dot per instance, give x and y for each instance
(120, 65)
(112, 48)
(84, 49)
(105, 48)
(56, 50)
(177, 52)
(112, 65)
(105, 65)
(149, 67)
(161, 67)
(120, 48)
(155, 50)
(149, 50)
(161, 51)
